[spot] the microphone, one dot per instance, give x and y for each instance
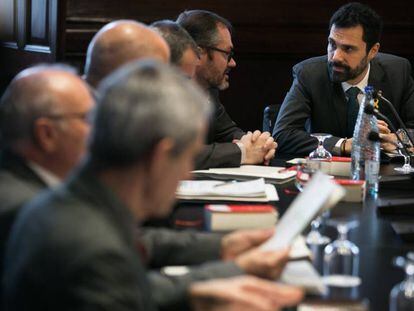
(374, 136)
(378, 95)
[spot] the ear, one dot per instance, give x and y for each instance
(160, 158)
(204, 56)
(373, 51)
(45, 134)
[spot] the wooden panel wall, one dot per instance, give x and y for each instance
(270, 36)
(30, 34)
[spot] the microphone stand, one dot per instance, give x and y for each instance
(378, 94)
(406, 168)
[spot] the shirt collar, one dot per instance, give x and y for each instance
(361, 85)
(50, 179)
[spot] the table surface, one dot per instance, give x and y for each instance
(377, 241)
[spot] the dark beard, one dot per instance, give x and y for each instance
(348, 73)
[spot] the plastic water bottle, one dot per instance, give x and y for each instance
(365, 152)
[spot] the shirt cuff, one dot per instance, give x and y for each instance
(337, 148)
(243, 151)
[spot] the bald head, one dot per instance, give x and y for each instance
(121, 42)
(42, 117)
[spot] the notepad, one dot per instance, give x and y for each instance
(215, 190)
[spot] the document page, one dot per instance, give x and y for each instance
(320, 193)
(252, 188)
(269, 172)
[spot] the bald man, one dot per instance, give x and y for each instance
(121, 42)
(43, 130)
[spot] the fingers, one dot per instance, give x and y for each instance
(266, 264)
(388, 142)
(270, 155)
(239, 293)
(256, 135)
(257, 237)
(383, 127)
(270, 143)
(282, 295)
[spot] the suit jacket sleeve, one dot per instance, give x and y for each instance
(169, 247)
(292, 126)
(219, 150)
(218, 155)
(407, 110)
(108, 283)
(171, 292)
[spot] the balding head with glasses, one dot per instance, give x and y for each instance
(44, 118)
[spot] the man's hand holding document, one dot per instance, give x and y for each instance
(319, 194)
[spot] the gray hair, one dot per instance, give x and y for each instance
(23, 102)
(139, 105)
(178, 39)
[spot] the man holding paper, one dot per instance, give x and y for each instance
(121, 183)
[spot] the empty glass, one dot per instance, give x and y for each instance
(406, 168)
(402, 294)
(320, 153)
(341, 257)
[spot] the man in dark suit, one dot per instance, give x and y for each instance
(227, 145)
(43, 130)
(73, 248)
(327, 90)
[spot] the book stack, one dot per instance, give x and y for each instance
(338, 166)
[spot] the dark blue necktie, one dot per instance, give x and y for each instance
(352, 110)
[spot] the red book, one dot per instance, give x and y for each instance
(355, 189)
(223, 217)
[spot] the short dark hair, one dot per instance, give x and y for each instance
(354, 14)
(178, 39)
(202, 26)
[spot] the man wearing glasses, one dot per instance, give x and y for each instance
(227, 145)
(43, 130)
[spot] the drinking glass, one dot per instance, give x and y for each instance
(406, 168)
(402, 294)
(320, 153)
(341, 257)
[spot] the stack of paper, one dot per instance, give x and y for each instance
(212, 190)
(269, 173)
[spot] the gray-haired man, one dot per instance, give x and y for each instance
(75, 245)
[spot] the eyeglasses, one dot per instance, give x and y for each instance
(84, 116)
(229, 54)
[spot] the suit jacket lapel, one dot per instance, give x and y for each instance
(17, 165)
(377, 79)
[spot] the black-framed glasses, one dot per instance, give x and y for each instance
(229, 54)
